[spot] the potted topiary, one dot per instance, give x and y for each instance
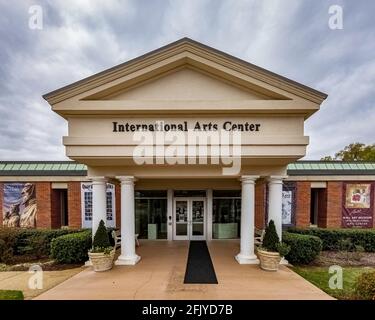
(102, 253)
(272, 250)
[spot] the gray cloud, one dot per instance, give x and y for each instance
(83, 37)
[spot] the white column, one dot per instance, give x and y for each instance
(275, 193)
(246, 255)
(99, 202)
(128, 255)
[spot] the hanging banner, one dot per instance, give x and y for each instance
(358, 202)
(86, 205)
(288, 203)
(19, 205)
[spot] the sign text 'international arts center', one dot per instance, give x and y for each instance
(184, 126)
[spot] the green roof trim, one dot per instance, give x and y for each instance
(42, 168)
(72, 168)
(306, 167)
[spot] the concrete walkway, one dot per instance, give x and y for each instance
(160, 274)
(19, 280)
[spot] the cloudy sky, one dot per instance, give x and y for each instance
(289, 37)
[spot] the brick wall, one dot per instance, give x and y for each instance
(44, 203)
(74, 205)
(1, 203)
(303, 199)
(334, 204)
(260, 207)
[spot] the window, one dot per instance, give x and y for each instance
(151, 214)
(109, 206)
(86, 204)
(226, 214)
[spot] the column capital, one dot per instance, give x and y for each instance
(248, 179)
(276, 179)
(98, 180)
(126, 179)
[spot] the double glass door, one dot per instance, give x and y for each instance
(189, 218)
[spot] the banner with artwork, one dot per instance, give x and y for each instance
(19, 205)
(358, 199)
(86, 204)
(288, 203)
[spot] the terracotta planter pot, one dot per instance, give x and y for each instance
(269, 261)
(102, 262)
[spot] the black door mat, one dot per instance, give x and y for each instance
(199, 267)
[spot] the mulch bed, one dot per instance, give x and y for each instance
(342, 258)
(45, 264)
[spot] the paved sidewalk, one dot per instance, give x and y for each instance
(19, 280)
(160, 274)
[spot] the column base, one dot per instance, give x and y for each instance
(243, 259)
(127, 260)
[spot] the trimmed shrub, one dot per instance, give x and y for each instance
(271, 239)
(101, 238)
(365, 286)
(71, 248)
(37, 241)
(7, 242)
(303, 248)
(333, 238)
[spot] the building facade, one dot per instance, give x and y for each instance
(315, 194)
(188, 143)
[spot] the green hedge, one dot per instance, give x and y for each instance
(37, 241)
(71, 248)
(331, 237)
(365, 286)
(7, 241)
(303, 248)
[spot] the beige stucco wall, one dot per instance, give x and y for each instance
(185, 82)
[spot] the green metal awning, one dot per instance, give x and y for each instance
(72, 168)
(331, 168)
(42, 168)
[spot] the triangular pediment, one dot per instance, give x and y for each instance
(186, 83)
(188, 73)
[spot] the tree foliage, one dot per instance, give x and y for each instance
(354, 152)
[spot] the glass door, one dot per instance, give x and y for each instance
(181, 207)
(197, 231)
(189, 219)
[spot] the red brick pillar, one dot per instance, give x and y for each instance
(43, 202)
(334, 204)
(1, 203)
(260, 204)
(303, 199)
(74, 205)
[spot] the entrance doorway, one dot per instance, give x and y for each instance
(189, 218)
(59, 208)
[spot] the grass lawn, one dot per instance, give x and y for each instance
(11, 295)
(319, 276)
